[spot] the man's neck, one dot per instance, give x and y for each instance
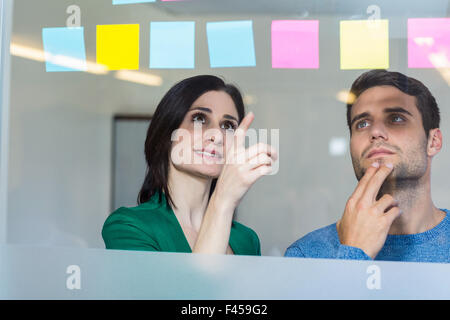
(414, 200)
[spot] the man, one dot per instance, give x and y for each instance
(394, 135)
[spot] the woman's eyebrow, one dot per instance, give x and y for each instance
(201, 109)
(227, 116)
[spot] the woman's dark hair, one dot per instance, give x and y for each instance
(167, 118)
(425, 102)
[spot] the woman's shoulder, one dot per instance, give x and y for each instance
(135, 228)
(144, 213)
(244, 230)
(246, 238)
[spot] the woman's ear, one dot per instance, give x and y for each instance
(434, 142)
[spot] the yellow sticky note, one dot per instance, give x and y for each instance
(118, 46)
(365, 44)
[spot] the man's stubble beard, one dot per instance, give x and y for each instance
(406, 175)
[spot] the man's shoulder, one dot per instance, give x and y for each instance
(316, 244)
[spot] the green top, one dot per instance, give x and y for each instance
(153, 226)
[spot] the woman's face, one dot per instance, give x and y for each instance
(199, 146)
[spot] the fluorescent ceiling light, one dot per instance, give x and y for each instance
(345, 96)
(139, 77)
(41, 56)
(441, 63)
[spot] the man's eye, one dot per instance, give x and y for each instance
(397, 119)
(362, 124)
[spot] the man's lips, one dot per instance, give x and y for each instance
(379, 152)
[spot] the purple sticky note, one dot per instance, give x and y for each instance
(429, 43)
(295, 44)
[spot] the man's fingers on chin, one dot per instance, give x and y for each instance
(374, 185)
(362, 184)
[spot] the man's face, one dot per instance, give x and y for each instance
(387, 127)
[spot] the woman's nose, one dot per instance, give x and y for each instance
(214, 135)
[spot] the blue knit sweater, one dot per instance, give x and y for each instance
(429, 246)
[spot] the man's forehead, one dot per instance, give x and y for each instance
(378, 98)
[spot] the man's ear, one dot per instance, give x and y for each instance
(434, 142)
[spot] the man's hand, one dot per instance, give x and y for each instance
(366, 222)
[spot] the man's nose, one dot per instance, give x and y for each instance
(378, 131)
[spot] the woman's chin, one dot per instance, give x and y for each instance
(209, 171)
(206, 171)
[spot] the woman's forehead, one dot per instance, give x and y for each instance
(217, 102)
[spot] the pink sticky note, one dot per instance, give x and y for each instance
(295, 44)
(429, 43)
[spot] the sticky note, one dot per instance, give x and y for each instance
(64, 49)
(429, 43)
(295, 44)
(118, 46)
(231, 44)
(364, 44)
(172, 45)
(117, 2)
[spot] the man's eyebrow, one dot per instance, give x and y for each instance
(397, 110)
(359, 116)
(226, 116)
(387, 110)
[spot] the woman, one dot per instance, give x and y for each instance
(198, 171)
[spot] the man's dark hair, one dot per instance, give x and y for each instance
(425, 102)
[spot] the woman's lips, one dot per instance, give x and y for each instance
(208, 154)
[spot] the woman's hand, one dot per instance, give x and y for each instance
(242, 167)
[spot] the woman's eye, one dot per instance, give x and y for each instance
(228, 126)
(198, 118)
(362, 124)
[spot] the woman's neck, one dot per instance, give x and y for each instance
(190, 195)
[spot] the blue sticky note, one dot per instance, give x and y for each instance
(64, 49)
(116, 2)
(231, 44)
(172, 45)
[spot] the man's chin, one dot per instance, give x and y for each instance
(361, 171)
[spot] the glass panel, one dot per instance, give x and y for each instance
(73, 273)
(61, 134)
